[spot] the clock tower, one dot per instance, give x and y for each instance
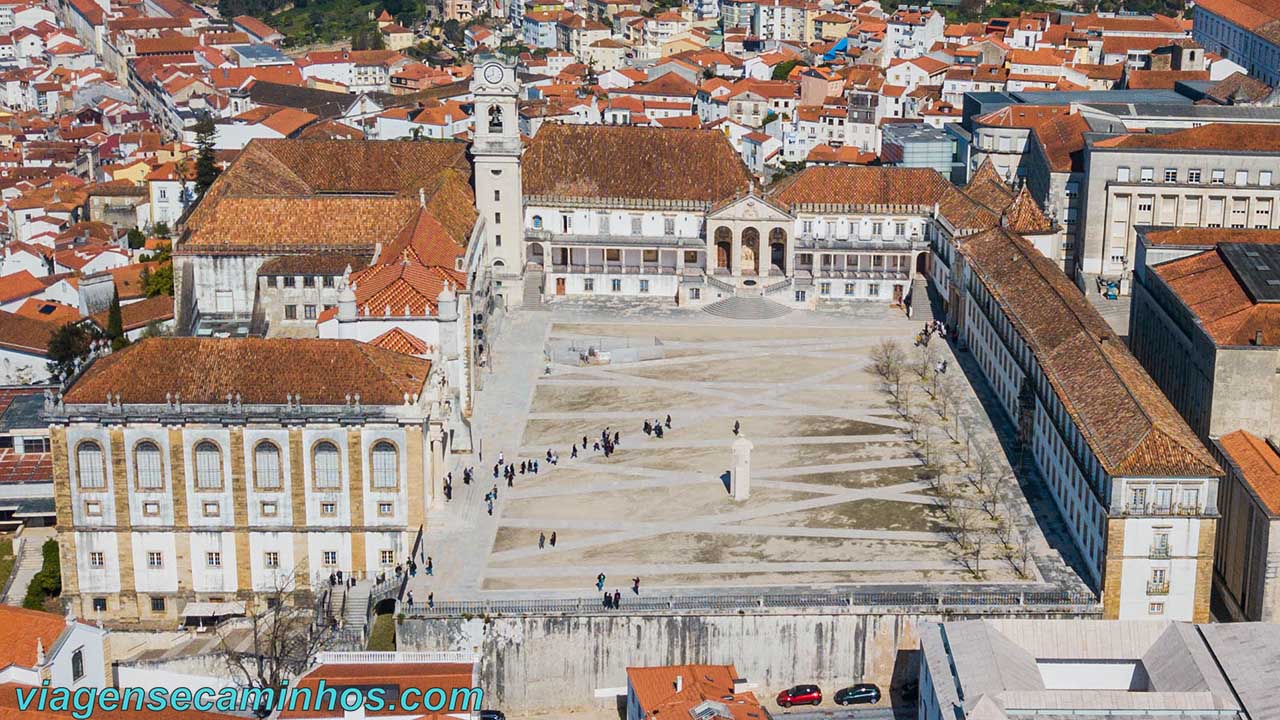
(495, 149)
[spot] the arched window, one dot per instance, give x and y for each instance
(385, 461)
(208, 466)
(325, 461)
(93, 474)
(537, 222)
(266, 465)
(495, 119)
(147, 467)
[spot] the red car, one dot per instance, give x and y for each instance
(800, 695)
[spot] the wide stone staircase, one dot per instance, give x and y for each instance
(532, 298)
(352, 614)
(921, 300)
(747, 308)
(29, 561)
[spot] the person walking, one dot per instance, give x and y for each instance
(495, 491)
(430, 566)
(736, 427)
(573, 455)
(647, 427)
(542, 540)
(553, 538)
(490, 507)
(617, 598)
(668, 421)
(500, 456)
(523, 465)
(497, 468)
(431, 600)
(600, 582)
(635, 585)
(409, 597)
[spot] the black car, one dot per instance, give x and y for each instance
(860, 694)
(492, 715)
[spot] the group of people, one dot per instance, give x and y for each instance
(655, 428)
(337, 578)
(431, 598)
(935, 327)
(607, 443)
(614, 599)
(542, 539)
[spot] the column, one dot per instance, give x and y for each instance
(735, 256)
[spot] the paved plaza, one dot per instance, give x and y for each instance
(837, 495)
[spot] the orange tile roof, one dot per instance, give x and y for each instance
(1161, 79)
(287, 121)
(19, 285)
(585, 161)
(1206, 284)
(138, 315)
(1130, 425)
(261, 370)
(398, 340)
(1259, 466)
(447, 676)
(25, 334)
(1062, 140)
(48, 311)
(657, 696)
(1214, 136)
(20, 632)
(9, 711)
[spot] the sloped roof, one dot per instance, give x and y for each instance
(1259, 466)
(591, 161)
(398, 340)
(1130, 425)
(1216, 296)
(261, 370)
(1214, 136)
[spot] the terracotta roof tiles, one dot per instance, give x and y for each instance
(1259, 466)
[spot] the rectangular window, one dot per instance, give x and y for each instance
(93, 508)
(1193, 176)
(615, 285)
(695, 293)
(99, 604)
(151, 508)
(669, 226)
(635, 224)
(329, 509)
(271, 560)
(309, 281)
(850, 289)
(1122, 174)
(386, 509)
(588, 284)
(824, 289)
(1148, 175)
(329, 558)
(1155, 608)
(328, 281)
(1242, 177)
(309, 312)
(210, 510)
(387, 558)
(873, 290)
(157, 604)
(97, 560)
(290, 312)
(77, 664)
(268, 508)
(213, 559)
(1171, 175)
(497, 196)
(644, 286)
(1218, 177)
(1190, 500)
(290, 281)
(800, 295)
(155, 560)
(1264, 177)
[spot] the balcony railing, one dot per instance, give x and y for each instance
(1157, 588)
(1164, 510)
(1160, 552)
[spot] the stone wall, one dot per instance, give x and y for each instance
(536, 664)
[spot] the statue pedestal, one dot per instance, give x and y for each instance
(740, 476)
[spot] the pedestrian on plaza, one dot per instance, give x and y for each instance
(668, 421)
(413, 569)
(574, 454)
(548, 454)
(448, 477)
(584, 442)
(596, 447)
(511, 480)
(500, 457)
(542, 540)
(523, 465)
(333, 580)
(490, 507)
(495, 491)
(736, 427)
(466, 476)
(431, 600)
(496, 469)
(555, 458)
(600, 581)
(399, 570)
(553, 538)
(635, 585)
(430, 566)
(409, 597)
(647, 427)
(658, 432)
(617, 598)
(617, 437)
(448, 492)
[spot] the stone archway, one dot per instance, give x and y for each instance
(724, 249)
(751, 251)
(778, 249)
(536, 255)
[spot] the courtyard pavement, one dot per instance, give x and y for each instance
(836, 498)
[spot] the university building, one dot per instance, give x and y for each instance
(1138, 491)
(219, 472)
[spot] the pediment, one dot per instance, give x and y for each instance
(750, 207)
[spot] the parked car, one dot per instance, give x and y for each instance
(800, 695)
(492, 715)
(860, 694)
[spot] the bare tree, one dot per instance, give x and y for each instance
(277, 641)
(1024, 551)
(887, 358)
(985, 467)
(925, 360)
(963, 521)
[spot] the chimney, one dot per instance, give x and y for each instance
(422, 197)
(1257, 338)
(679, 683)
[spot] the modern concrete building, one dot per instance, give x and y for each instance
(1246, 32)
(1094, 670)
(1135, 487)
(195, 472)
(1216, 176)
(1247, 562)
(915, 145)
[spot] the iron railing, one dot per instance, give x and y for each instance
(1033, 601)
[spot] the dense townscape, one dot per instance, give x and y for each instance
(640, 359)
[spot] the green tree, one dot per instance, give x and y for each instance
(158, 281)
(47, 583)
(453, 32)
(137, 239)
(783, 69)
(161, 230)
(68, 345)
(206, 164)
(115, 323)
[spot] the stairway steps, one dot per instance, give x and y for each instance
(747, 308)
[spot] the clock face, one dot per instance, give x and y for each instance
(493, 73)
